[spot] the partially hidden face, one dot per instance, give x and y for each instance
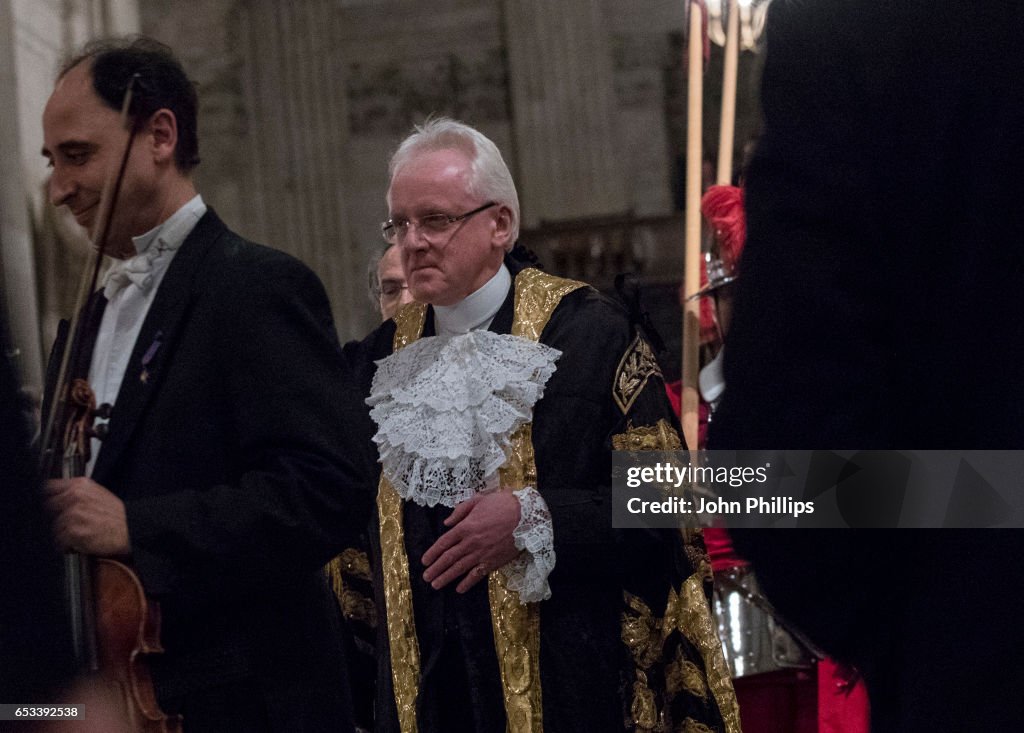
(392, 288)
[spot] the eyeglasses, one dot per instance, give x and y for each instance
(390, 290)
(394, 230)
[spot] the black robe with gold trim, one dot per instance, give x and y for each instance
(626, 641)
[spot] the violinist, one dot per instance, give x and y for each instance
(224, 479)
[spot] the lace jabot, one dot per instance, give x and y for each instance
(445, 408)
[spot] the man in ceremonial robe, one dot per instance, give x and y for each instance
(507, 599)
(349, 572)
(226, 479)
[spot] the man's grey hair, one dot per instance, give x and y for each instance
(489, 177)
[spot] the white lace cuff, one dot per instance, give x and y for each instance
(535, 536)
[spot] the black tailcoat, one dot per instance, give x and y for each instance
(230, 450)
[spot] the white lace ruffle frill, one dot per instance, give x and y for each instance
(445, 408)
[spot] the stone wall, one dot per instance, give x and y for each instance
(42, 252)
(302, 103)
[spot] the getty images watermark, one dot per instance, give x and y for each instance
(674, 478)
(818, 489)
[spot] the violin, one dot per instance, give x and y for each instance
(114, 626)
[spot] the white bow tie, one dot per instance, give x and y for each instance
(137, 270)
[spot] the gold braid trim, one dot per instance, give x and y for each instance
(409, 323)
(642, 632)
(635, 368)
(644, 708)
(660, 436)
(642, 635)
(335, 578)
(354, 606)
(682, 674)
(690, 613)
(517, 626)
(357, 607)
(355, 563)
(537, 296)
(405, 647)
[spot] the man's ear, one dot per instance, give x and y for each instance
(502, 236)
(162, 135)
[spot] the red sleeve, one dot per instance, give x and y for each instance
(720, 550)
(674, 390)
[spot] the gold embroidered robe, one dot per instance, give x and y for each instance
(626, 643)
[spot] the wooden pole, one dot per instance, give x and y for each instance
(727, 130)
(691, 277)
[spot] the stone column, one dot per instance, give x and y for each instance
(38, 282)
(16, 266)
(563, 97)
(294, 87)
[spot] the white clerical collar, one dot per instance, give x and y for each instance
(477, 309)
(172, 231)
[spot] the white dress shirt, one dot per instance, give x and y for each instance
(130, 286)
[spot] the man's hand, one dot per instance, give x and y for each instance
(87, 517)
(479, 541)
